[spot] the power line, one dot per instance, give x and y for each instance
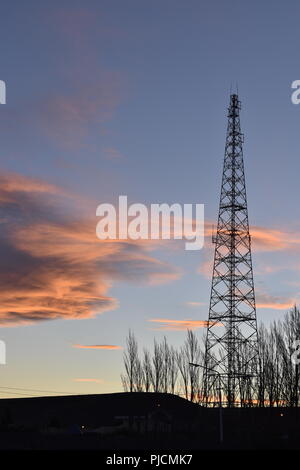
(37, 390)
(16, 393)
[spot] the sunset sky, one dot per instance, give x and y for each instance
(129, 97)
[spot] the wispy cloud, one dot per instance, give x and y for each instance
(179, 325)
(206, 267)
(266, 238)
(112, 154)
(96, 346)
(195, 304)
(264, 300)
(98, 381)
(71, 115)
(69, 118)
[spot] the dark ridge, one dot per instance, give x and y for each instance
(95, 410)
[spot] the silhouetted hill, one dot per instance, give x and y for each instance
(94, 410)
(140, 421)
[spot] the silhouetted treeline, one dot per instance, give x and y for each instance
(279, 374)
(166, 369)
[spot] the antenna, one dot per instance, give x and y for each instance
(231, 350)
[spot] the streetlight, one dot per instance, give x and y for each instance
(215, 372)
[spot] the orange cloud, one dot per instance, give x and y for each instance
(179, 325)
(206, 267)
(98, 381)
(195, 304)
(265, 238)
(12, 183)
(53, 265)
(96, 346)
(264, 300)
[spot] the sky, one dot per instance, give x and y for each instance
(129, 97)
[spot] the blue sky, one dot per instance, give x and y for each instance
(130, 97)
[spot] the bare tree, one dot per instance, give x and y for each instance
(262, 340)
(167, 370)
(183, 367)
(147, 370)
(190, 352)
(138, 376)
(165, 352)
(279, 377)
(157, 367)
(131, 363)
(173, 370)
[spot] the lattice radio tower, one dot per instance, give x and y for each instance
(231, 348)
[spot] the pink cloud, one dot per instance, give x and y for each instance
(112, 154)
(69, 118)
(97, 346)
(265, 238)
(265, 300)
(53, 265)
(195, 304)
(98, 381)
(179, 325)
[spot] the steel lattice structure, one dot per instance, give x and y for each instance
(231, 349)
